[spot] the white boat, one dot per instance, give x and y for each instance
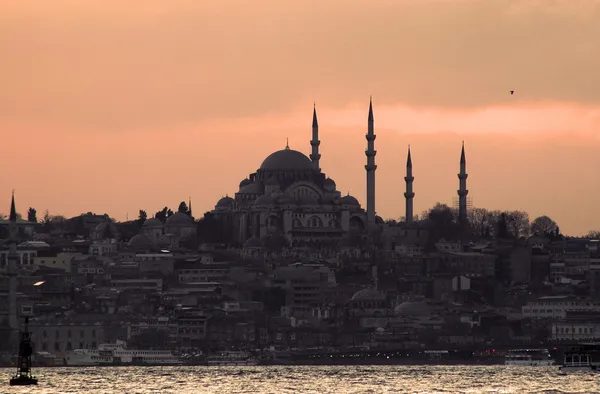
(232, 358)
(529, 357)
(582, 358)
(118, 354)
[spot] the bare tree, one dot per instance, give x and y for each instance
(543, 225)
(518, 224)
(595, 234)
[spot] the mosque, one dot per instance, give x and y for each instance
(290, 196)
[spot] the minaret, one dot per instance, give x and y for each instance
(190, 206)
(409, 195)
(12, 219)
(370, 167)
(12, 264)
(462, 191)
(315, 156)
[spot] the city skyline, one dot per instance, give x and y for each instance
(105, 124)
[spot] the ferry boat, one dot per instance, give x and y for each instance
(584, 357)
(117, 354)
(232, 358)
(529, 357)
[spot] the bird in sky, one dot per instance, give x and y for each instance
(512, 92)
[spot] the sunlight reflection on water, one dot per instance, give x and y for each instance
(307, 379)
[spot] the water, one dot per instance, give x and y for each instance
(306, 379)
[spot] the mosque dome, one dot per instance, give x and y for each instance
(152, 222)
(245, 182)
(349, 200)
(180, 219)
(272, 181)
(286, 159)
(141, 241)
(225, 202)
(106, 228)
(329, 184)
(368, 294)
(412, 309)
(379, 220)
(253, 188)
(253, 242)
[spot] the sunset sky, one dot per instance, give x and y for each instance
(115, 106)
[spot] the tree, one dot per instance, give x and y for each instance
(46, 219)
(32, 215)
(518, 224)
(543, 225)
(443, 221)
(502, 226)
(594, 234)
(142, 217)
(183, 208)
(482, 221)
(162, 214)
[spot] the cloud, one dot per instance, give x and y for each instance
(158, 65)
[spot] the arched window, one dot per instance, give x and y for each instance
(315, 221)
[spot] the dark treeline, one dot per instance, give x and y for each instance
(484, 223)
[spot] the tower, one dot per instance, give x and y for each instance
(190, 206)
(409, 194)
(315, 156)
(462, 188)
(370, 167)
(12, 219)
(12, 264)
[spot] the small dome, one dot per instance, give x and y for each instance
(141, 241)
(253, 188)
(264, 201)
(245, 182)
(329, 184)
(368, 294)
(349, 200)
(106, 228)
(180, 219)
(378, 220)
(152, 222)
(412, 309)
(286, 159)
(253, 242)
(225, 202)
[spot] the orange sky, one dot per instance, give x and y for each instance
(119, 106)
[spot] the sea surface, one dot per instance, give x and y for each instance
(306, 379)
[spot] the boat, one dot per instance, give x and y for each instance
(24, 376)
(582, 358)
(529, 357)
(232, 358)
(118, 354)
